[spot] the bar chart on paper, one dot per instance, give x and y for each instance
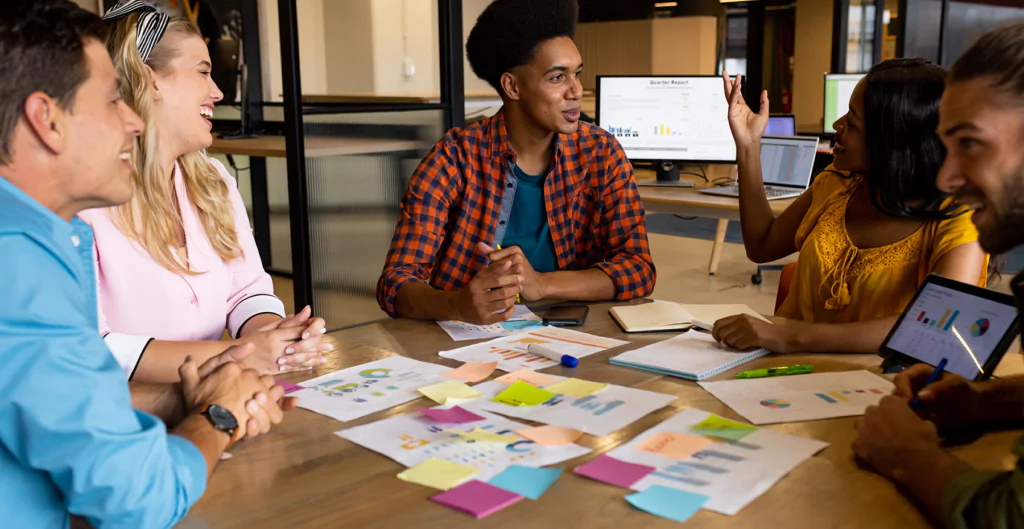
(801, 398)
(512, 354)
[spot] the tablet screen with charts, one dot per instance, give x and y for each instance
(967, 325)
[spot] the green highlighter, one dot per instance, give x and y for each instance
(776, 372)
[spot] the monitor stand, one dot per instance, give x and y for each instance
(667, 171)
(246, 130)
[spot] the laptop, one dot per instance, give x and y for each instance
(969, 326)
(786, 165)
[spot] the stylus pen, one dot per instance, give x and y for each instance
(933, 378)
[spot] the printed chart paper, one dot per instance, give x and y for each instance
(460, 331)
(731, 473)
(412, 439)
(361, 390)
(801, 397)
(598, 414)
(512, 355)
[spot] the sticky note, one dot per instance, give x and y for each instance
(523, 394)
(550, 435)
(613, 471)
(451, 415)
(484, 436)
(674, 445)
(440, 393)
(666, 502)
(472, 371)
(716, 426)
(289, 387)
(527, 481)
(574, 387)
(520, 324)
(529, 376)
(477, 498)
(438, 473)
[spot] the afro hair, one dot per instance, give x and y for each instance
(508, 32)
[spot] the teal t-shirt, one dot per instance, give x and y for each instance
(528, 224)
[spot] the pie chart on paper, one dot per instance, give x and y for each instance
(777, 404)
(980, 327)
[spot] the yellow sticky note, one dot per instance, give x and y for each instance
(529, 376)
(438, 473)
(472, 371)
(674, 445)
(574, 387)
(441, 393)
(484, 436)
(523, 394)
(550, 435)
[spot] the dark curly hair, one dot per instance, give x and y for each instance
(42, 49)
(901, 113)
(508, 32)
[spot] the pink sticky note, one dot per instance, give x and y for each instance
(454, 414)
(477, 498)
(289, 387)
(472, 371)
(613, 471)
(527, 375)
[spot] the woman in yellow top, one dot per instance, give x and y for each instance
(868, 230)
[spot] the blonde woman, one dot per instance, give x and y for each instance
(177, 265)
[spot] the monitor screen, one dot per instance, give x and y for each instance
(788, 161)
(781, 126)
(838, 89)
(947, 323)
(667, 118)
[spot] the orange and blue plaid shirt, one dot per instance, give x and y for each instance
(457, 198)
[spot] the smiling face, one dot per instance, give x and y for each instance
(851, 149)
(983, 130)
(185, 96)
(548, 88)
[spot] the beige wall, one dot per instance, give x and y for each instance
(405, 46)
(91, 5)
(684, 46)
(349, 40)
(811, 60)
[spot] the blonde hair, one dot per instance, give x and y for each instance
(151, 218)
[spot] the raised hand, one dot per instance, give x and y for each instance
(746, 125)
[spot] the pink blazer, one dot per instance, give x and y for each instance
(140, 301)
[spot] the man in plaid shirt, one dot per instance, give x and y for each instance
(531, 201)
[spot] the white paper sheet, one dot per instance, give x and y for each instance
(600, 414)
(361, 390)
(412, 439)
(511, 351)
(801, 397)
(732, 474)
(460, 331)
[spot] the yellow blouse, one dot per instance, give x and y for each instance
(836, 282)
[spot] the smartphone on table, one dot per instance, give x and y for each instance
(567, 315)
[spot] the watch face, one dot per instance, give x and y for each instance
(221, 417)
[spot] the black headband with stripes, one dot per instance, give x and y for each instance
(152, 24)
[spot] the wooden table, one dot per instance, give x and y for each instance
(690, 202)
(301, 475)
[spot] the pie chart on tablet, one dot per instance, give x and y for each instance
(775, 403)
(980, 327)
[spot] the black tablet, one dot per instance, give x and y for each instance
(968, 325)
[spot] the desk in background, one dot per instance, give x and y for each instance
(302, 475)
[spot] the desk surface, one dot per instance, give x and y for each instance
(316, 147)
(301, 475)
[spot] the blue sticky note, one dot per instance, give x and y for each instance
(519, 324)
(526, 481)
(668, 503)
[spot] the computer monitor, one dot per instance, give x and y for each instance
(787, 161)
(667, 118)
(838, 89)
(781, 125)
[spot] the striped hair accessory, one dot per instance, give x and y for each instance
(152, 24)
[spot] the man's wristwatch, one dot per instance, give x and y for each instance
(221, 419)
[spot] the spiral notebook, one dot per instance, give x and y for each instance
(693, 355)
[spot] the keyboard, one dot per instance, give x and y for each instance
(773, 193)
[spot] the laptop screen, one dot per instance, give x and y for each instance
(788, 161)
(961, 327)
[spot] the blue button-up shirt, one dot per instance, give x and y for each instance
(70, 442)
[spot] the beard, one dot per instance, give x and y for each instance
(1006, 229)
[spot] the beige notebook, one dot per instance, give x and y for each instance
(669, 316)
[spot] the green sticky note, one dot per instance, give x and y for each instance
(715, 426)
(523, 394)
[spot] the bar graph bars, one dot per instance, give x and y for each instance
(592, 404)
(945, 323)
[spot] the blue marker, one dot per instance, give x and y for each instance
(551, 354)
(933, 378)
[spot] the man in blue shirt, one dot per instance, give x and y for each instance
(70, 441)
